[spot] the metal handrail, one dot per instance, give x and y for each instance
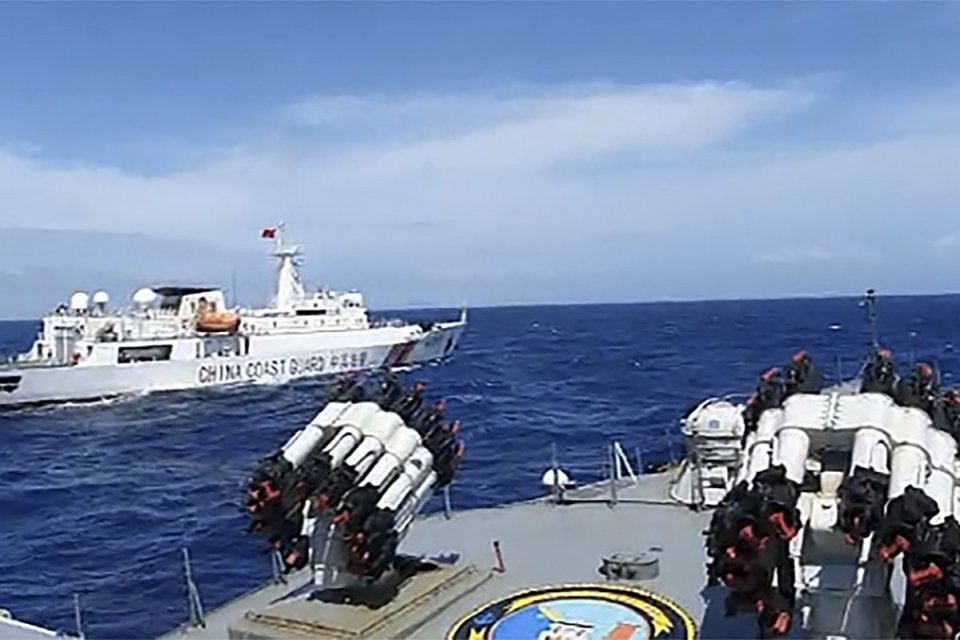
(193, 594)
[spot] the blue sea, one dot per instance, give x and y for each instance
(100, 499)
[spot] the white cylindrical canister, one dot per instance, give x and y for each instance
(792, 447)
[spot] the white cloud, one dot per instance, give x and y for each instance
(458, 188)
(503, 149)
(949, 241)
(800, 254)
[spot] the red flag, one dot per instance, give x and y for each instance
(269, 233)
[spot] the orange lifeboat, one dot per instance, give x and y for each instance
(210, 320)
(214, 321)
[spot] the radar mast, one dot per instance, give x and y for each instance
(289, 288)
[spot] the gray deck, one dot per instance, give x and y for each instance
(542, 544)
(11, 629)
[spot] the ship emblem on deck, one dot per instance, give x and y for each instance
(578, 612)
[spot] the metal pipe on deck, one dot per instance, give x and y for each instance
(613, 475)
(447, 508)
(761, 449)
(77, 618)
(941, 482)
(871, 450)
(193, 594)
(908, 462)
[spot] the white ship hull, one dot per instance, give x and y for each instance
(269, 359)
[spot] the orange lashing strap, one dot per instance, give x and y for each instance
(930, 573)
(269, 492)
(788, 532)
(890, 551)
(782, 623)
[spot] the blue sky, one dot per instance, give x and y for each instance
(497, 152)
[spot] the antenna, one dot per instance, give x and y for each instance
(870, 302)
(281, 249)
(77, 618)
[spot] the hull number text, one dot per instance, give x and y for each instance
(224, 372)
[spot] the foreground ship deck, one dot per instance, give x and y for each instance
(12, 629)
(542, 544)
(828, 511)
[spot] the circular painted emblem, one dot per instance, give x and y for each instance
(578, 612)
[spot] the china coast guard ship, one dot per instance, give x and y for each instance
(177, 337)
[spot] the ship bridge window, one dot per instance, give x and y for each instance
(170, 297)
(311, 312)
(150, 353)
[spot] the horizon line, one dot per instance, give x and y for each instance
(677, 301)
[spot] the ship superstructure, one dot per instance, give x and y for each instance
(178, 337)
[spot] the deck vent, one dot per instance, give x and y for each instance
(644, 565)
